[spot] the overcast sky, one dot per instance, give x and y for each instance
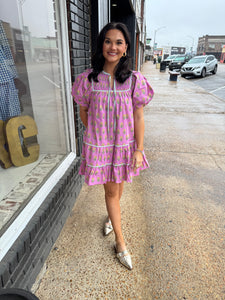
(184, 21)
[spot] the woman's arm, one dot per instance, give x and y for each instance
(139, 128)
(84, 115)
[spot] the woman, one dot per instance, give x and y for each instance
(111, 99)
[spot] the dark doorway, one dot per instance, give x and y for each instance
(121, 11)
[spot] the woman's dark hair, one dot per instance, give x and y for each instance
(122, 69)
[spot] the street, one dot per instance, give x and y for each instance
(214, 84)
(173, 215)
(184, 192)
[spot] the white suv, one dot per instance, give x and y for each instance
(199, 66)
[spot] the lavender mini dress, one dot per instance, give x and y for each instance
(108, 142)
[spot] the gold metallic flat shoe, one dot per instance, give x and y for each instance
(124, 258)
(108, 228)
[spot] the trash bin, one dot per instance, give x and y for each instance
(162, 66)
(16, 294)
(173, 77)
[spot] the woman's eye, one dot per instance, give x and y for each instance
(107, 42)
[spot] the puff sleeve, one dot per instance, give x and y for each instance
(81, 89)
(142, 91)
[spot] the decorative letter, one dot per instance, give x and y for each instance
(18, 129)
(5, 161)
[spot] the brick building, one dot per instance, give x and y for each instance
(211, 44)
(40, 185)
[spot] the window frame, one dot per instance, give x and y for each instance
(19, 224)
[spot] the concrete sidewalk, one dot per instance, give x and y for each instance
(173, 215)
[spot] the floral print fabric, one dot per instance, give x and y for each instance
(109, 143)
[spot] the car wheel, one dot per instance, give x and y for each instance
(203, 73)
(184, 76)
(214, 70)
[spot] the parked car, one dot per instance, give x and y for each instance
(178, 62)
(169, 59)
(199, 66)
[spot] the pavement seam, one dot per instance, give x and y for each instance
(191, 153)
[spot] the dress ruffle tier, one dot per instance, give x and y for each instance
(111, 163)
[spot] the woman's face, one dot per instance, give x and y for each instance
(114, 46)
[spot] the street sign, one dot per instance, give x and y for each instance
(148, 41)
(178, 50)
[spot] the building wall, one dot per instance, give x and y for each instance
(211, 45)
(79, 41)
(140, 33)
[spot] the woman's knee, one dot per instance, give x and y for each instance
(111, 190)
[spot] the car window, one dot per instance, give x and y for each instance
(196, 60)
(170, 57)
(179, 58)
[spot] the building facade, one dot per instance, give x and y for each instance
(211, 44)
(140, 33)
(40, 129)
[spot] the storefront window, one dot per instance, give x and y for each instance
(33, 108)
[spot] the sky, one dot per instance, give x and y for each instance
(180, 23)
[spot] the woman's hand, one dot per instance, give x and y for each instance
(137, 160)
(139, 127)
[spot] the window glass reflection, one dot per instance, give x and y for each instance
(32, 37)
(31, 90)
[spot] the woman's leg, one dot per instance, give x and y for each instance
(113, 193)
(121, 185)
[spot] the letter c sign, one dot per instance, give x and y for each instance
(14, 133)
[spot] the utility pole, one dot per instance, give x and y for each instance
(155, 35)
(192, 47)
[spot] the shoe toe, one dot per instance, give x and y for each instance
(125, 259)
(107, 230)
(127, 262)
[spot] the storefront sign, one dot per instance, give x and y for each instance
(178, 50)
(13, 135)
(158, 51)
